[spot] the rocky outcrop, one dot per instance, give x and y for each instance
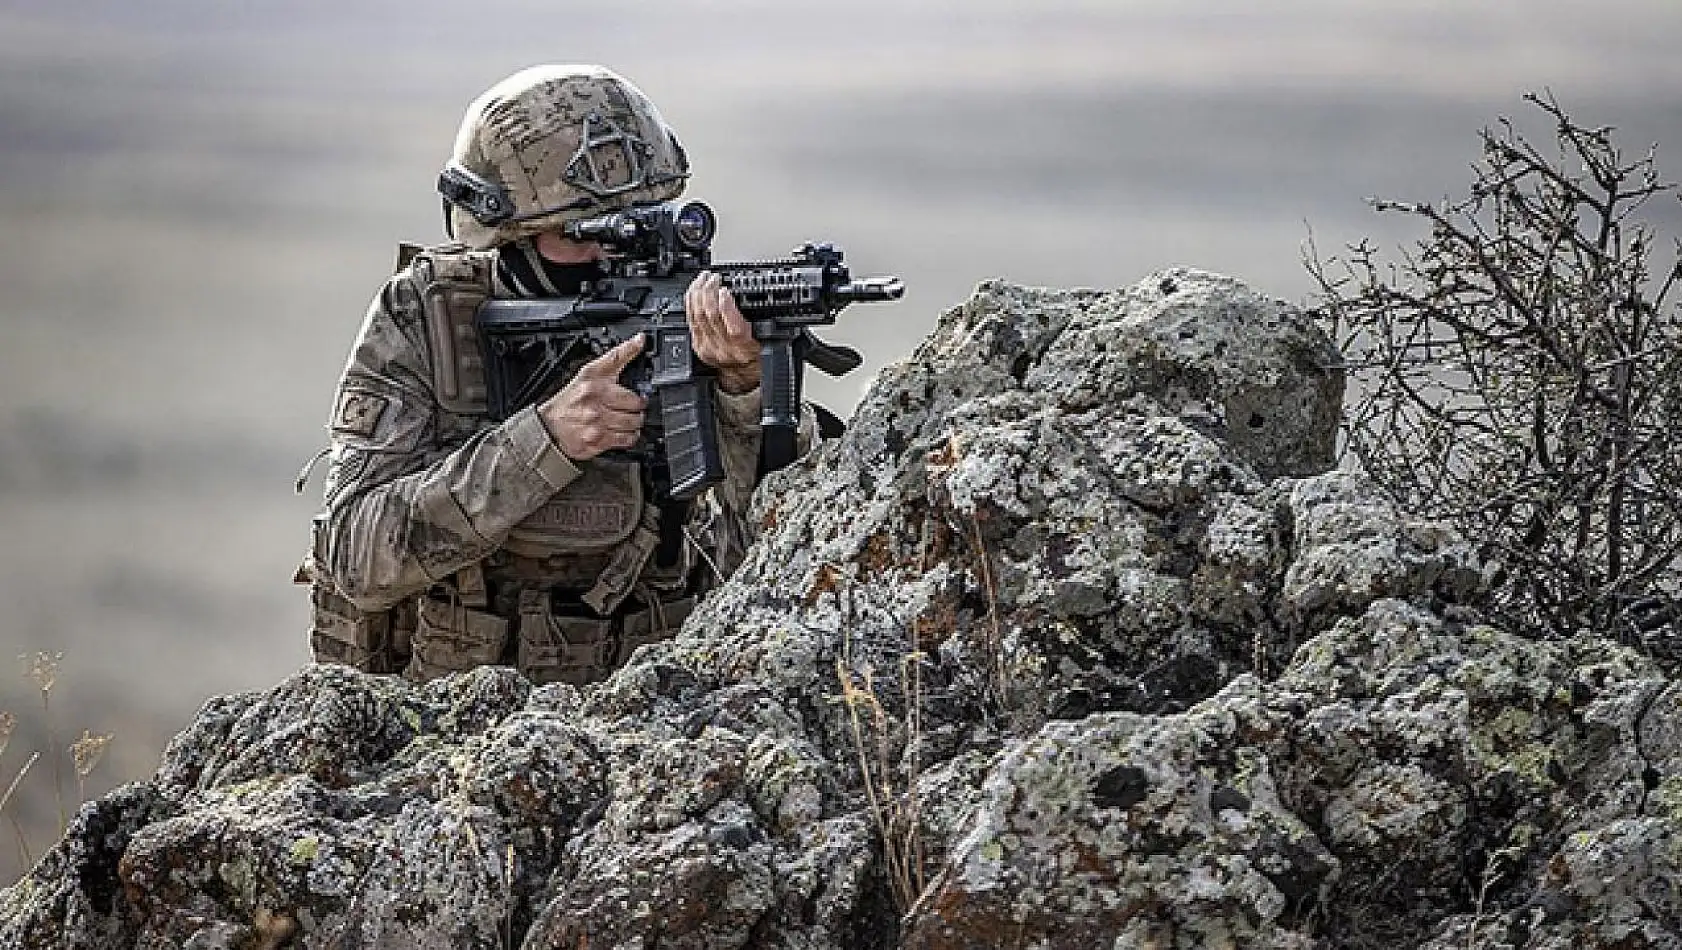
(1072, 641)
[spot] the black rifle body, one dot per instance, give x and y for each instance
(533, 347)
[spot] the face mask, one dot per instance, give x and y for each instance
(568, 278)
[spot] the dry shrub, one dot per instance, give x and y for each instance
(1518, 373)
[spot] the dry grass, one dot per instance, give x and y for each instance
(17, 828)
(995, 635)
(895, 808)
(1492, 871)
(86, 753)
(890, 779)
(510, 895)
(42, 670)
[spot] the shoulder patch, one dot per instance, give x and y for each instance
(359, 412)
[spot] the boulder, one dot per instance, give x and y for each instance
(1073, 640)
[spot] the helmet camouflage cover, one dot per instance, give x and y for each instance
(556, 143)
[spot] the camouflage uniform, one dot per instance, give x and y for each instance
(448, 542)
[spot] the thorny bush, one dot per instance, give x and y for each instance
(1516, 373)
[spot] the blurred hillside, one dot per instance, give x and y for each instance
(197, 200)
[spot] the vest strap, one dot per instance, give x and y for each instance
(620, 577)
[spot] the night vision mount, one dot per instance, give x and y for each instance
(487, 201)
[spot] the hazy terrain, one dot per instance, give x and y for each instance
(197, 200)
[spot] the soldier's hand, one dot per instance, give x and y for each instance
(722, 337)
(593, 413)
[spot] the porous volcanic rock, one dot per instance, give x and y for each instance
(1073, 641)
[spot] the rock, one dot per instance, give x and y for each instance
(1353, 547)
(1613, 886)
(1352, 797)
(73, 899)
(1137, 830)
(1072, 641)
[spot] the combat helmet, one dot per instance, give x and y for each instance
(553, 143)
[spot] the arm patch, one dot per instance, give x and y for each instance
(359, 412)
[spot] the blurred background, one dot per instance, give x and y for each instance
(198, 198)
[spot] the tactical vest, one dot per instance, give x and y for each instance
(574, 589)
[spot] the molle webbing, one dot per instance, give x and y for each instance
(629, 559)
(554, 648)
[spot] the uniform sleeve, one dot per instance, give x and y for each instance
(739, 437)
(738, 440)
(400, 515)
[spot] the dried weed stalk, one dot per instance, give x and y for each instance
(995, 633)
(85, 753)
(894, 810)
(17, 828)
(42, 670)
(890, 779)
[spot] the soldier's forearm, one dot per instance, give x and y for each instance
(738, 439)
(399, 536)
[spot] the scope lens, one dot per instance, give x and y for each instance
(695, 226)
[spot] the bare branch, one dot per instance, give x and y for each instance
(1517, 373)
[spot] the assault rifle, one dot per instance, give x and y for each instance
(532, 347)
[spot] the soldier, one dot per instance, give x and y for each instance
(447, 542)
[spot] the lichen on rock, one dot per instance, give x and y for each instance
(1073, 640)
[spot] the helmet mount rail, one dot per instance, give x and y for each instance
(487, 201)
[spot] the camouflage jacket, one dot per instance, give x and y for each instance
(426, 504)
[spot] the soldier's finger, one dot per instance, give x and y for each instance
(620, 426)
(591, 397)
(692, 297)
(620, 420)
(610, 364)
(601, 414)
(735, 326)
(620, 399)
(600, 391)
(707, 306)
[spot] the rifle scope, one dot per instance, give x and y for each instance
(649, 227)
